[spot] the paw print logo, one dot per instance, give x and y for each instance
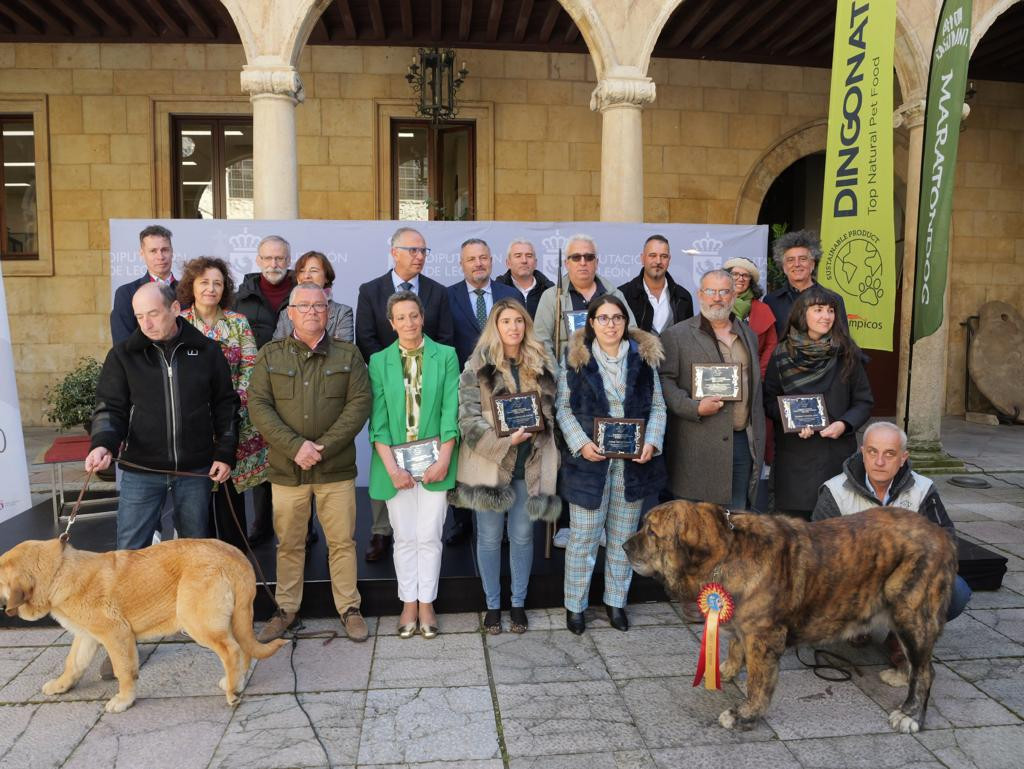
(870, 290)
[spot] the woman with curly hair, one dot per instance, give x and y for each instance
(516, 474)
(207, 290)
(815, 356)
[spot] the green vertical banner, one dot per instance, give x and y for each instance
(947, 83)
(857, 231)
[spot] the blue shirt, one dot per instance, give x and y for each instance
(488, 297)
(398, 283)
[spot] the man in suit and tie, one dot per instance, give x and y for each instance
(471, 299)
(157, 253)
(374, 332)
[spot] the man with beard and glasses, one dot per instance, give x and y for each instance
(715, 448)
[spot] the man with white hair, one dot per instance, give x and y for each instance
(583, 286)
(522, 274)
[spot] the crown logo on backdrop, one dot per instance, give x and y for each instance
(553, 243)
(244, 242)
(707, 244)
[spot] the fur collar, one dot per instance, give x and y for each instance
(647, 346)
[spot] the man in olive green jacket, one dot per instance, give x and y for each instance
(309, 397)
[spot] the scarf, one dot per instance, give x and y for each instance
(804, 364)
(613, 373)
(741, 307)
(412, 371)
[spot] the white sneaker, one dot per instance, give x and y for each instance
(561, 538)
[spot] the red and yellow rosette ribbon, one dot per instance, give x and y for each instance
(717, 606)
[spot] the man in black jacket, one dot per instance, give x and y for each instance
(374, 332)
(158, 254)
(656, 300)
(165, 393)
(521, 260)
(798, 254)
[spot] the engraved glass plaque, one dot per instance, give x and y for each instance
(800, 411)
(515, 411)
(720, 380)
(619, 438)
(574, 319)
(415, 457)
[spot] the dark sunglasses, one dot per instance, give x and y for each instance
(581, 257)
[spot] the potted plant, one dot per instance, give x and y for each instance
(71, 400)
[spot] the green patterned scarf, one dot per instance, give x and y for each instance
(412, 370)
(742, 305)
(805, 363)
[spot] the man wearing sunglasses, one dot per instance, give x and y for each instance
(374, 332)
(583, 286)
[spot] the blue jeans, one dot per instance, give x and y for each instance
(958, 601)
(142, 497)
(741, 468)
(489, 525)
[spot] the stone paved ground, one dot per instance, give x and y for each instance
(544, 700)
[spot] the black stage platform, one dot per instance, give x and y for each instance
(460, 588)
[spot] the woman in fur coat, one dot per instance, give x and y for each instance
(610, 371)
(517, 474)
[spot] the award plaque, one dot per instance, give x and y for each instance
(416, 456)
(519, 410)
(720, 380)
(619, 438)
(800, 411)
(574, 319)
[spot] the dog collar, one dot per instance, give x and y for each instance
(728, 517)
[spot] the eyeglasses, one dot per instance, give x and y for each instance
(711, 293)
(581, 257)
(304, 308)
(274, 259)
(615, 320)
(739, 275)
(413, 250)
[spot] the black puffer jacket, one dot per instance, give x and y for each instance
(173, 409)
(249, 301)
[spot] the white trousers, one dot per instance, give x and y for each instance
(417, 519)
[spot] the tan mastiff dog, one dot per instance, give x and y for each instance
(200, 586)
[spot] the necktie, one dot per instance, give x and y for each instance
(481, 308)
(405, 286)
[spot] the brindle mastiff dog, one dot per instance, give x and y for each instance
(796, 582)
(202, 586)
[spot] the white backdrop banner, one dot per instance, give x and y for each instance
(359, 250)
(14, 486)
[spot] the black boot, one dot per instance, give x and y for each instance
(617, 617)
(575, 621)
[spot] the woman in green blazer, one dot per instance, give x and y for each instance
(415, 397)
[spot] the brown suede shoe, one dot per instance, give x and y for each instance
(276, 627)
(378, 548)
(355, 625)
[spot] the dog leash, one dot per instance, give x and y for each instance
(840, 669)
(65, 535)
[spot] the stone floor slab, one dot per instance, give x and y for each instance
(671, 712)
(402, 726)
(541, 656)
(39, 736)
(1000, 511)
(559, 718)
(33, 636)
(1009, 622)
(272, 732)
(992, 747)
(622, 759)
(1004, 598)
(648, 651)
(967, 638)
(767, 755)
(447, 660)
(152, 733)
(1014, 580)
(15, 659)
(878, 751)
(27, 685)
(807, 706)
(954, 702)
(640, 615)
(494, 763)
(994, 532)
(340, 665)
(1002, 679)
(180, 670)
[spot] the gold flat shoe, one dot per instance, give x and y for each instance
(407, 631)
(429, 631)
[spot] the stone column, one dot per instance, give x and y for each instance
(620, 97)
(274, 90)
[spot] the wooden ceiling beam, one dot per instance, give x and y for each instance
(465, 19)
(205, 27)
(18, 17)
(572, 34)
(494, 19)
(377, 20)
(720, 19)
(759, 40)
(106, 17)
(804, 27)
(436, 20)
(746, 22)
(554, 10)
(46, 16)
(347, 21)
(689, 19)
(128, 6)
(1009, 39)
(825, 33)
(405, 10)
(525, 10)
(76, 16)
(321, 29)
(169, 21)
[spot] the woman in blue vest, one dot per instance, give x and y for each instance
(609, 370)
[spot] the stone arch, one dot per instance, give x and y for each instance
(984, 19)
(276, 29)
(909, 60)
(801, 141)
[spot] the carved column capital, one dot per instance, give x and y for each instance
(282, 80)
(910, 114)
(622, 89)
